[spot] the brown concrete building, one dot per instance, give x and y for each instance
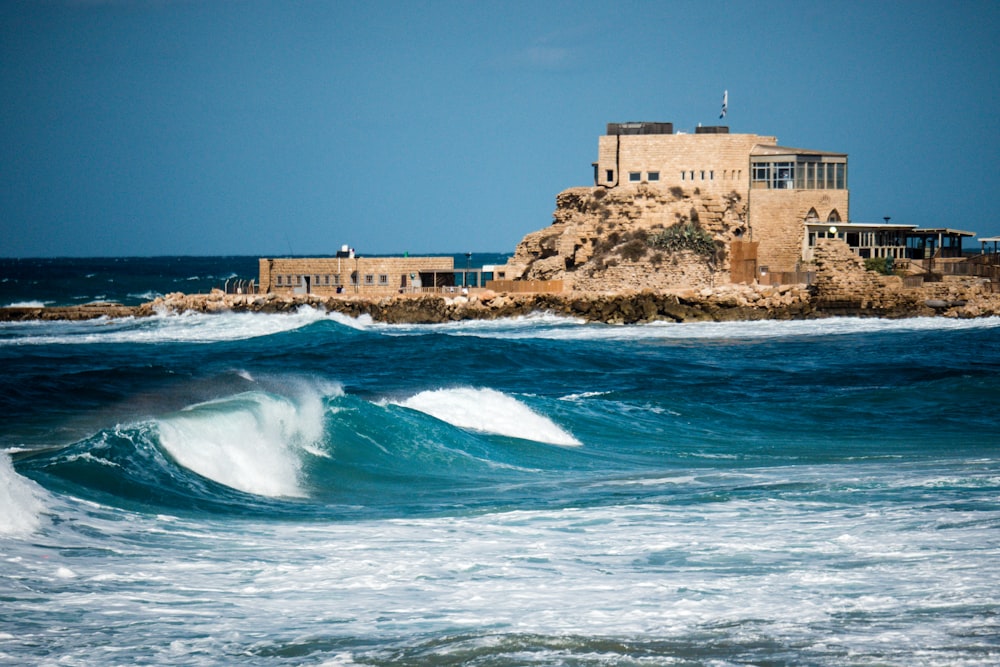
(785, 188)
(348, 273)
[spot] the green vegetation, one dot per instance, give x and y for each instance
(883, 265)
(685, 236)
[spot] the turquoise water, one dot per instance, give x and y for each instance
(313, 489)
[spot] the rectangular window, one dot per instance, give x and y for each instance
(841, 183)
(653, 176)
(703, 174)
(784, 173)
(761, 174)
(609, 175)
(634, 176)
(383, 279)
(683, 174)
(369, 279)
(711, 175)
(336, 279)
(279, 280)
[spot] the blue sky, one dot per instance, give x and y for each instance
(246, 127)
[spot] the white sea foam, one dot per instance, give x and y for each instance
(28, 304)
(554, 327)
(21, 502)
(252, 442)
(184, 328)
(583, 395)
(489, 411)
(146, 296)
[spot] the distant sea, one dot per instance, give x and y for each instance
(311, 489)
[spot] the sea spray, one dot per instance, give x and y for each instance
(252, 442)
(489, 411)
(21, 502)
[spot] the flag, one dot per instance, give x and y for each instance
(725, 103)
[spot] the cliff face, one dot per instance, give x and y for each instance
(634, 237)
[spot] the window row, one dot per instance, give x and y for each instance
(687, 175)
(709, 174)
(333, 279)
(800, 175)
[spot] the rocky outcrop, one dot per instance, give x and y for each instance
(605, 239)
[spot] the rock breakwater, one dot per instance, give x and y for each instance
(842, 287)
(727, 303)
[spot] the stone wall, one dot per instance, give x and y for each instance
(777, 221)
(375, 275)
(716, 163)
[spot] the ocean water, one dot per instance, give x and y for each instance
(310, 489)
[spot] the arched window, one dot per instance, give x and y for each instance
(812, 216)
(833, 217)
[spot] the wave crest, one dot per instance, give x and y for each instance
(489, 411)
(252, 442)
(21, 502)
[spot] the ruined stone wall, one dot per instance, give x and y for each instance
(777, 221)
(599, 239)
(680, 271)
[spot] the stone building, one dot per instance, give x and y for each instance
(349, 273)
(784, 188)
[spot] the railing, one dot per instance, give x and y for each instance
(980, 266)
(240, 286)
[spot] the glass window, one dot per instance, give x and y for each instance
(369, 279)
(841, 178)
(654, 176)
(383, 279)
(784, 175)
(279, 280)
(609, 175)
(634, 176)
(762, 172)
